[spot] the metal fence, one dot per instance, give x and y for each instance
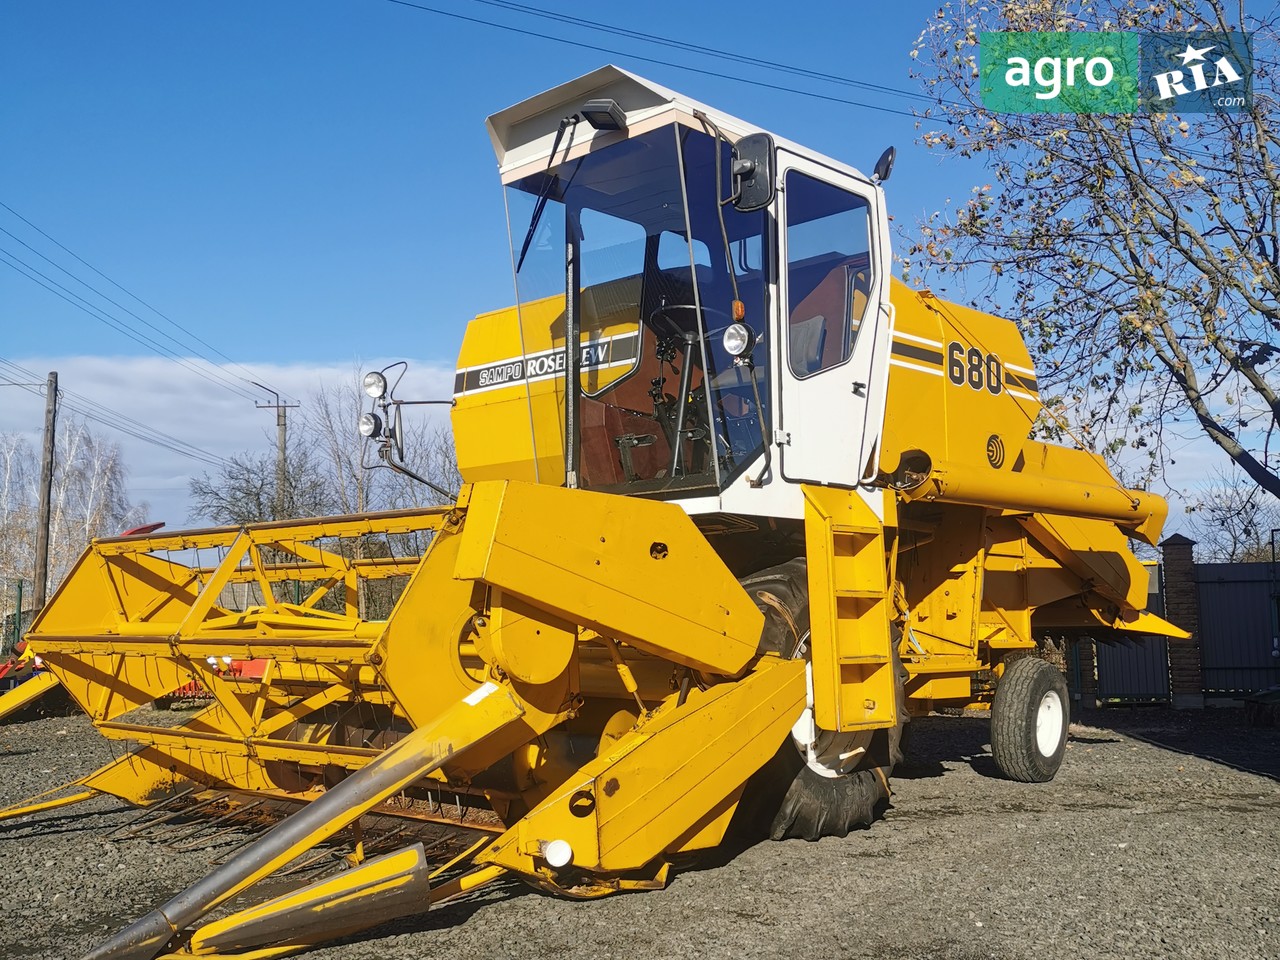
(1239, 636)
(1136, 671)
(14, 619)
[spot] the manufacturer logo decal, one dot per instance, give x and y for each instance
(995, 451)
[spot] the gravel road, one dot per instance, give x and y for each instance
(1160, 837)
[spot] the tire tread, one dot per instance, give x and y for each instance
(1013, 734)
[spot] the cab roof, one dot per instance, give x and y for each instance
(523, 134)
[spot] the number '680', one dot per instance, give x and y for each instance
(973, 368)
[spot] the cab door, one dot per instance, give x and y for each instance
(834, 264)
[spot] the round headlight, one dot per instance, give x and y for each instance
(738, 339)
(370, 425)
(375, 384)
(558, 853)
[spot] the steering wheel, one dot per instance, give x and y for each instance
(675, 327)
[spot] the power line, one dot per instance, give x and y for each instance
(121, 423)
(114, 303)
(113, 419)
(700, 49)
(34, 275)
(119, 287)
(635, 56)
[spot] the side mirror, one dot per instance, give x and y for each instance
(884, 166)
(753, 169)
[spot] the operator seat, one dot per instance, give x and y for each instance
(823, 326)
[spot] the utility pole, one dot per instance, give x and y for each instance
(46, 491)
(282, 430)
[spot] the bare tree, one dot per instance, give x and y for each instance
(329, 468)
(331, 416)
(1140, 253)
(1233, 520)
(89, 499)
(244, 490)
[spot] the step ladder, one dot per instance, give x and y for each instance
(849, 612)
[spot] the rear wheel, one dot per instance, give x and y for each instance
(1029, 718)
(819, 783)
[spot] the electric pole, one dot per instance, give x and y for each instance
(46, 491)
(282, 431)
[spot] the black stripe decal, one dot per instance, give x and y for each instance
(917, 353)
(1027, 383)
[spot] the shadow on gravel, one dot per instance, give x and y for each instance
(935, 742)
(1219, 735)
(84, 821)
(450, 915)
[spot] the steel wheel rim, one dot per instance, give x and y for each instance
(1049, 718)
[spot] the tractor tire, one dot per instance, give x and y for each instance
(789, 797)
(1030, 715)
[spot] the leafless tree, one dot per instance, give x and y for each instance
(89, 499)
(244, 489)
(329, 468)
(1233, 520)
(1140, 253)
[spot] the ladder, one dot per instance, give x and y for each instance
(849, 612)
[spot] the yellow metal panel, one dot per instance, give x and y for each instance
(637, 570)
(940, 688)
(661, 785)
(509, 388)
(419, 655)
(26, 693)
(1096, 552)
(926, 410)
(381, 889)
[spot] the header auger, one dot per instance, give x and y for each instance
(737, 504)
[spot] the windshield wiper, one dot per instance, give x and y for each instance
(545, 192)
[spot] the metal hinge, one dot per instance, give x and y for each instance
(782, 438)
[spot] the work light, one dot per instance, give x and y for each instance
(375, 384)
(370, 425)
(738, 340)
(604, 115)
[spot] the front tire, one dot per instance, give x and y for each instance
(1030, 715)
(803, 791)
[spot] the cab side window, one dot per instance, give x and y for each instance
(828, 272)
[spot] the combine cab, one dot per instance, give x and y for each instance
(737, 504)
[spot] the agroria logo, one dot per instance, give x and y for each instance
(1074, 72)
(1197, 72)
(1115, 72)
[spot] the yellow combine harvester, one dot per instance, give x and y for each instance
(737, 504)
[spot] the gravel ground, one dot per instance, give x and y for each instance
(1160, 837)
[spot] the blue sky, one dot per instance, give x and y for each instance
(291, 178)
(308, 184)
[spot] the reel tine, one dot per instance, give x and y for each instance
(152, 810)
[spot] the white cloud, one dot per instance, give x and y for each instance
(177, 402)
(170, 399)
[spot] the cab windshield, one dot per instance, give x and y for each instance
(664, 409)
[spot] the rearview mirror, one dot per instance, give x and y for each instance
(753, 172)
